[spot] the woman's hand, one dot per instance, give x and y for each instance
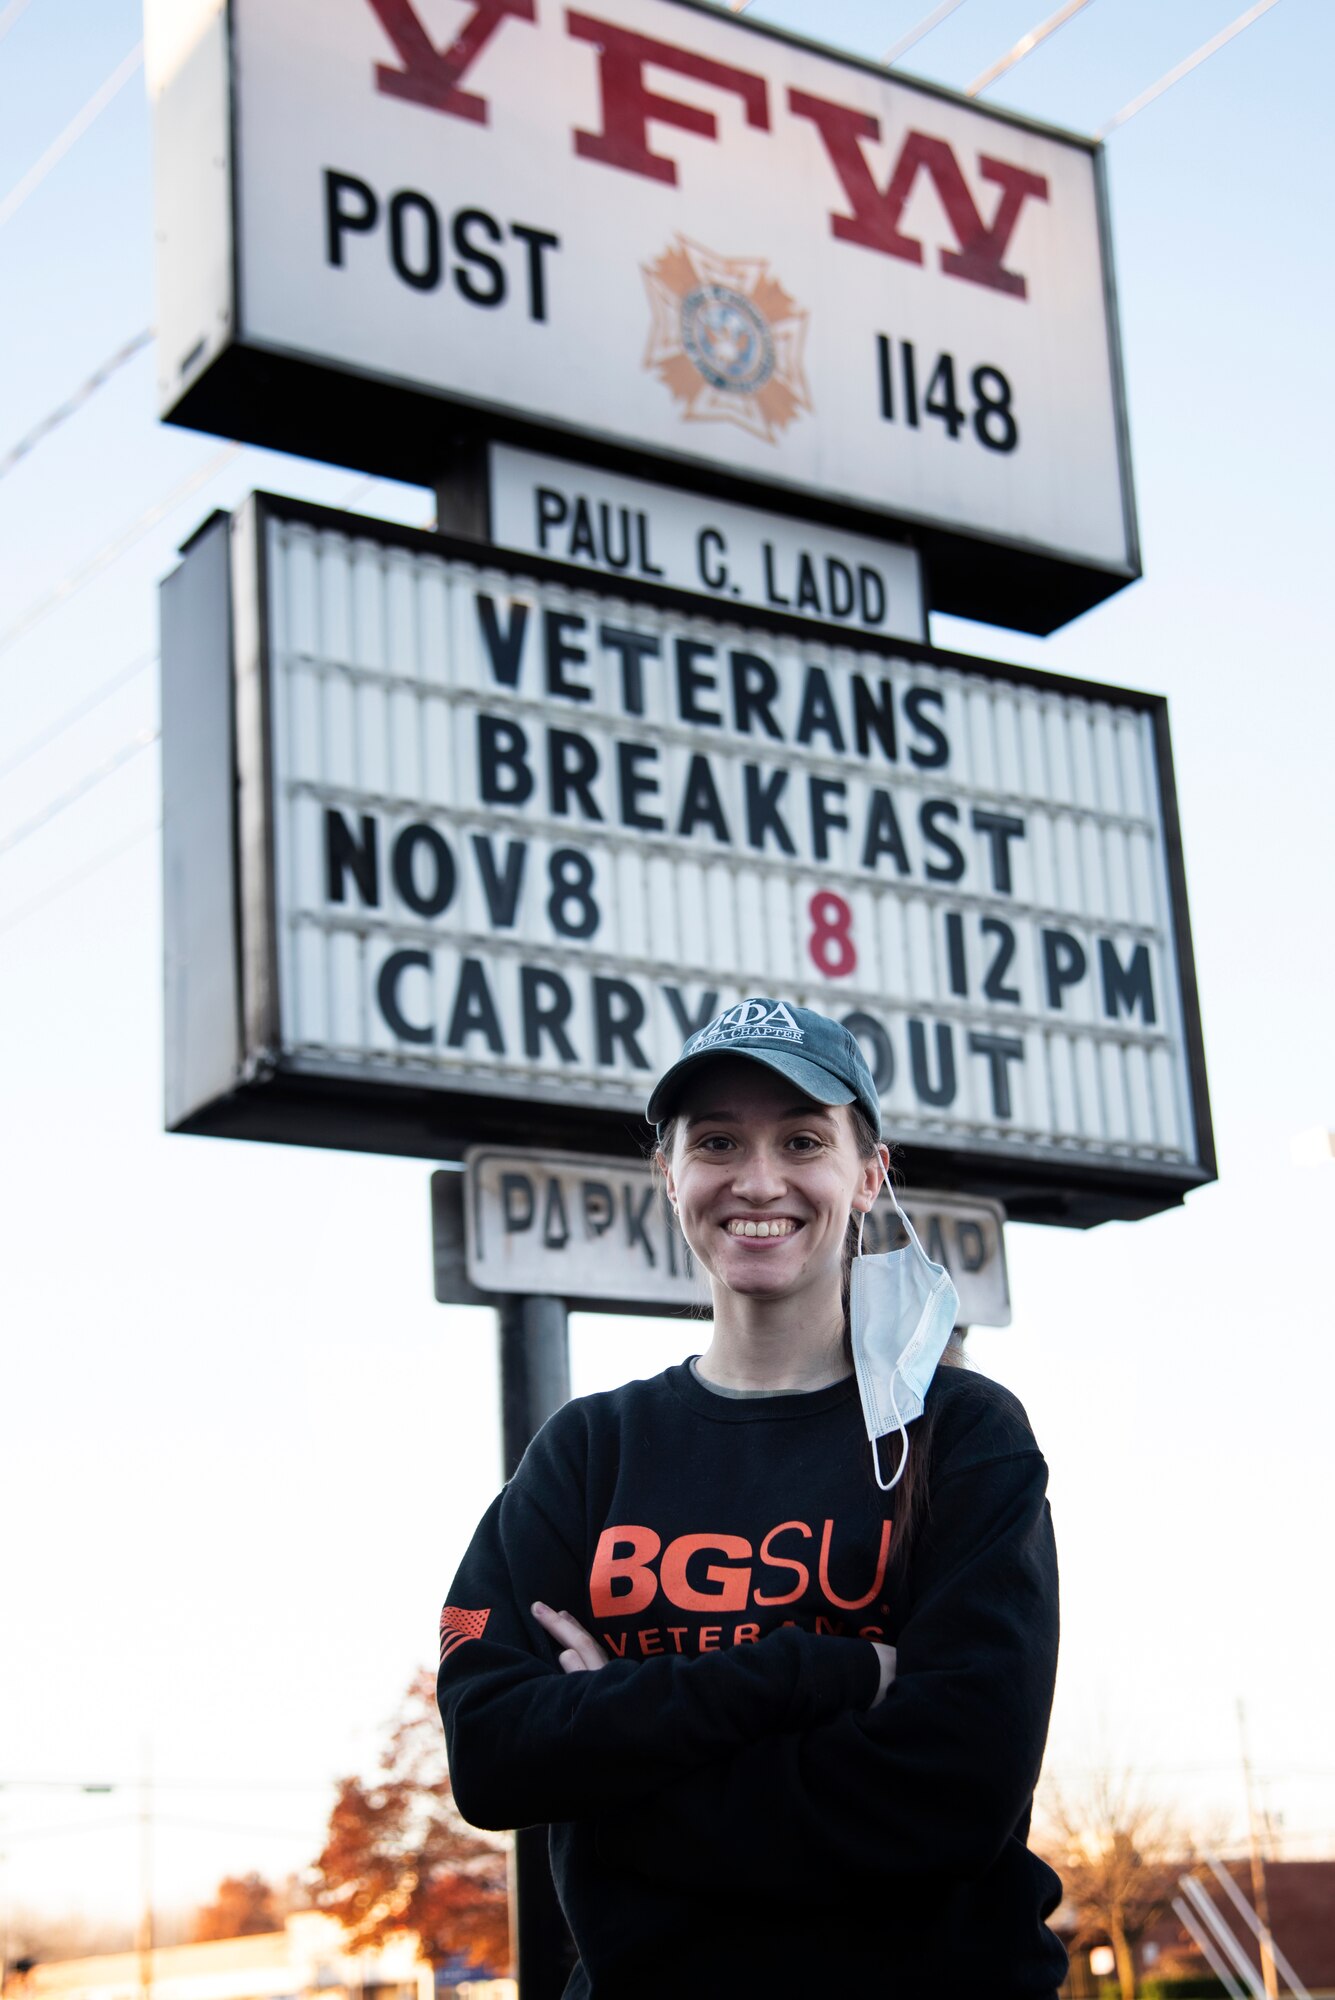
(580, 1651)
(886, 1657)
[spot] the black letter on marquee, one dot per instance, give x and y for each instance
(1063, 964)
(438, 895)
(938, 751)
(870, 1033)
(505, 650)
(474, 1011)
(818, 711)
(929, 1093)
(572, 766)
(633, 784)
(691, 678)
(883, 834)
(545, 1016)
(874, 713)
(502, 747)
(500, 887)
(1001, 829)
(560, 654)
(634, 648)
(688, 1023)
(820, 792)
(387, 993)
(340, 221)
(762, 808)
(343, 854)
(755, 685)
(931, 811)
(1131, 984)
(999, 1051)
(618, 1011)
(700, 801)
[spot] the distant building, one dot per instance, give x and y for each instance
(307, 1960)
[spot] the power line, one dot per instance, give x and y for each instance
(72, 715)
(112, 551)
(76, 876)
(72, 133)
(53, 420)
(1202, 54)
(10, 16)
(924, 27)
(76, 792)
(1026, 45)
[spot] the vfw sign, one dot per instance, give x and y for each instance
(657, 229)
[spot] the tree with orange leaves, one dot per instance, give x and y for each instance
(243, 1906)
(398, 1855)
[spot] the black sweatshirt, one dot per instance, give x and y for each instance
(728, 1814)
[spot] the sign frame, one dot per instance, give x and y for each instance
(240, 385)
(225, 1074)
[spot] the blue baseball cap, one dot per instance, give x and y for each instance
(817, 1054)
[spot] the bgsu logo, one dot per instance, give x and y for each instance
(433, 77)
(716, 1573)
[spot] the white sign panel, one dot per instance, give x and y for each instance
(526, 836)
(650, 224)
(654, 534)
(570, 1225)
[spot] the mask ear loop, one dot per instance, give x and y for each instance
(888, 1486)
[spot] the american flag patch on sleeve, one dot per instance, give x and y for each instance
(458, 1626)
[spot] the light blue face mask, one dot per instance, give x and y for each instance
(902, 1312)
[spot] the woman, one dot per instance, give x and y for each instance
(785, 1723)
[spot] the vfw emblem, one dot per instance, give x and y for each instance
(726, 340)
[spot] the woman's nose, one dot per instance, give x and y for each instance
(759, 1176)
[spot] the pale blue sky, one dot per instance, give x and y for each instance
(242, 1448)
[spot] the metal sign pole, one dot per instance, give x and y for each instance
(535, 1382)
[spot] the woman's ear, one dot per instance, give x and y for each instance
(664, 1167)
(874, 1171)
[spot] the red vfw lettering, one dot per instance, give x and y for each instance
(628, 104)
(874, 222)
(622, 1582)
(431, 76)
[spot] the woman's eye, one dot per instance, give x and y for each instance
(804, 1142)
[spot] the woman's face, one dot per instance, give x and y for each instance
(764, 1181)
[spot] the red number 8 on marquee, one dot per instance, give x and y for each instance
(831, 944)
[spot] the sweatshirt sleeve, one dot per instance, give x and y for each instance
(931, 1783)
(529, 1743)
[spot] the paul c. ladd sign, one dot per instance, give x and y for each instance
(643, 223)
(504, 836)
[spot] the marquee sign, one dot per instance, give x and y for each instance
(461, 846)
(651, 234)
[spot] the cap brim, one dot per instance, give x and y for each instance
(813, 1081)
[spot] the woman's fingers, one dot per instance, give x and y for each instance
(580, 1652)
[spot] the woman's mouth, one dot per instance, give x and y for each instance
(770, 1227)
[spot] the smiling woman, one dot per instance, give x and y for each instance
(784, 1717)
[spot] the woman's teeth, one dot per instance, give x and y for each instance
(779, 1227)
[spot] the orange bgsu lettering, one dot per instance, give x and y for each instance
(622, 1581)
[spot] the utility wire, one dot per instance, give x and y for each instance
(1203, 54)
(10, 15)
(112, 551)
(67, 721)
(1026, 45)
(78, 875)
(54, 418)
(85, 785)
(72, 133)
(924, 27)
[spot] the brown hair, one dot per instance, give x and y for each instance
(911, 1500)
